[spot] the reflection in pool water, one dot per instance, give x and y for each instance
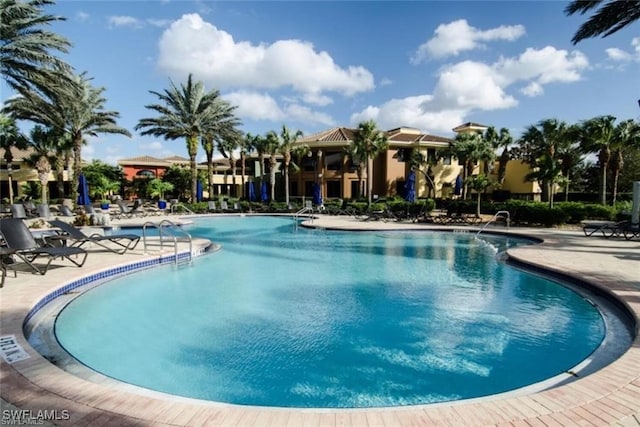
(314, 318)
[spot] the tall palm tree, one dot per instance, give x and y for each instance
(470, 148)
(186, 112)
(611, 17)
(299, 152)
(223, 133)
(500, 140)
(359, 158)
(286, 143)
(369, 143)
(76, 110)
(271, 147)
(626, 133)
(26, 49)
(227, 145)
(598, 136)
(45, 145)
(539, 145)
(570, 155)
(10, 137)
(261, 145)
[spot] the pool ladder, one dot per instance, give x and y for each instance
(308, 210)
(167, 230)
(498, 214)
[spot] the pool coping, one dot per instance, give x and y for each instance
(608, 396)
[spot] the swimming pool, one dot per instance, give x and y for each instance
(285, 316)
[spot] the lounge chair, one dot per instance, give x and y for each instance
(605, 228)
(631, 231)
(225, 207)
(211, 206)
(129, 212)
(18, 211)
(44, 211)
(66, 211)
(74, 237)
(23, 245)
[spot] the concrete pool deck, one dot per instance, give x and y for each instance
(610, 396)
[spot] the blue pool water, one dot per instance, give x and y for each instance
(314, 318)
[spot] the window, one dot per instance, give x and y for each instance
(146, 173)
(446, 160)
(333, 189)
(333, 161)
(432, 155)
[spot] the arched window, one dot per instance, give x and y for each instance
(146, 173)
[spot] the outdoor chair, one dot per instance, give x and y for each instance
(30, 207)
(130, 212)
(44, 211)
(631, 231)
(211, 206)
(74, 237)
(66, 211)
(18, 211)
(605, 228)
(22, 244)
(224, 205)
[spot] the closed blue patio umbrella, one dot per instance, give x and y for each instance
(457, 188)
(199, 191)
(83, 191)
(317, 196)
(252, 192)
(410, 187)
(264, 193)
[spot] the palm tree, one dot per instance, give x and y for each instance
(611, 17)
(540, 145)
(26, 58)
(45, 145)
(261, 145)
(286, 143)
(10, 137)
(298, 152)
(271, 146)
(77, 111)
(228, 144)
(501, 140)
(626, 133)
(368, 143)
(598, 136)
(479, 184)
(570, 155)
(358, 157)
(470, 148)
(185, 112)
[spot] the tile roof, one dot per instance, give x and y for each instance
(18, 155)
(397, 135)
(147, 160)
(468, 125)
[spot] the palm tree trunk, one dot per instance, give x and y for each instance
(232, 162)
(77, 166)
(272, 176)
(603, 184)
(566, 188)
(369, 180)
(617, 166)
(243, 159)
(194, 177)
(210, 172)
(286, 182)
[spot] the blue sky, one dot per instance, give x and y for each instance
(313, 65)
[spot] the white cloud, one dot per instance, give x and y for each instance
(82, 16)
(411, 112)
(123, 21)
(458, 36)
(619, 55)
(192, 45)
(261, 106)
(546, 65)
(158, 22)
(469, 86)
(255, 106)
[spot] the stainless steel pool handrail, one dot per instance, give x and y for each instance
(163, 226)
(494, 218)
